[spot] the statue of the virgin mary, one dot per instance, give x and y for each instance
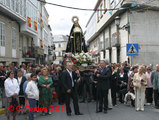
(76, 42)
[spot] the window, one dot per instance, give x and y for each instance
(13, 38)
(20, 42)
(111, 4)
(2, 1)
(59, 45)
(114, 3)
(17, 6)
(56, 45)
(13, 4)
(34, 2)
(118, 54)
(57, 53)
(105, 4)
(45, 37)
(95, 44)
(101, 12)
(60, 54)
(8, 3)
(32, 13)
(27, 42)
(98, 16)
(21, 7)
(24, 8)
(2, 34)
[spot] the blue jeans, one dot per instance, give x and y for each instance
(32, 103)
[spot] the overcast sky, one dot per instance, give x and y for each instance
(61, 18)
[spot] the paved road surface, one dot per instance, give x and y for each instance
(120, 112)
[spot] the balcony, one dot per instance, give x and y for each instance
(28, 52)
(16, 12)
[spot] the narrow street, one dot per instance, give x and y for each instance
(120, 112)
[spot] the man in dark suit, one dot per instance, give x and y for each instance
(103, 85)
(68, 82)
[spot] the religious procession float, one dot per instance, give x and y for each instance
(76, 51)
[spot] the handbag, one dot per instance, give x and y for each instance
(54, 94)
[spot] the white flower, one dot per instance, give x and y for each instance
(90, 57)
(78, 56)
(73, 55)
(87, 54)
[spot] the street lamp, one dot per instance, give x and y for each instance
(117, 21)
(124, 27)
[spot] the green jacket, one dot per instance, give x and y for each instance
(45, 93)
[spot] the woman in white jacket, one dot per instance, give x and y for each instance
(32, 92)
(140, 83)
(11, 90)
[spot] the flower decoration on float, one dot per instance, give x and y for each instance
(78, 58)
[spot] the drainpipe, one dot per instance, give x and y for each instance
(128, 22)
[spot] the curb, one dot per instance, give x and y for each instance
(2, 111)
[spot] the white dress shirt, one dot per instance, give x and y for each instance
(70, 72)
(11, 87)
(139, 82)
(19, 80)
(32, 90)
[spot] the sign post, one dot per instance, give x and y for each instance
(132, 50)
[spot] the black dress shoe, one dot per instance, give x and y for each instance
(83, 101)
(99, 110)
(79, 113)
(89, 101)
(68, 114)
(105, 111)
(156, 107)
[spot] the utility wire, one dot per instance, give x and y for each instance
(81, 8)
(148, 2)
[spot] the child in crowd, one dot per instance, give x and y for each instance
(25, 95)
(32, 92)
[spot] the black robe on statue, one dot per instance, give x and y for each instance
(76, 42)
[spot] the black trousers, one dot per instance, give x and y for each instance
(22, 100)
(60, 92)
(149, 95)
(156, 98)
(122, 93)
(94, 91)
(72, 95)
(113, 93)
(87, 88)
(103, 97)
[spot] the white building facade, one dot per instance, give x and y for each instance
(60, 42)
(12, 13)
(32, 36)
(138, 25)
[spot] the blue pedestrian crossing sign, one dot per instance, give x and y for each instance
(132, 49)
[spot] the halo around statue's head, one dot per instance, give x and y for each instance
(75, 19)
